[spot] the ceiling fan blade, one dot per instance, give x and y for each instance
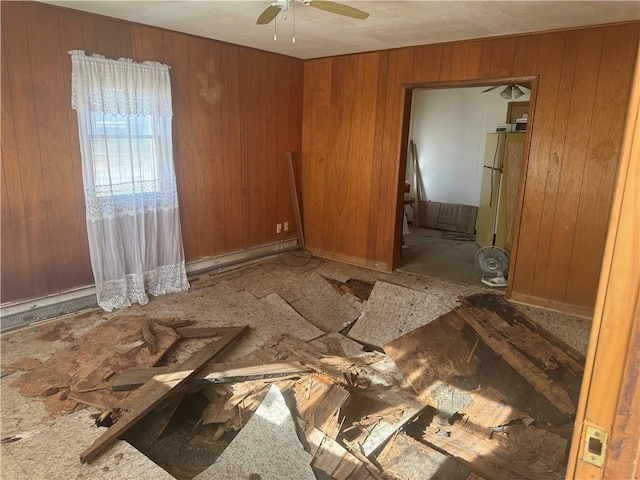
(268, 14)
(492, 88)
(339, 8)
(523, 86)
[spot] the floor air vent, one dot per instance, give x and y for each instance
(37, 314)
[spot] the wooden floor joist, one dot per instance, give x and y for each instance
(152, 393)
(543, 384)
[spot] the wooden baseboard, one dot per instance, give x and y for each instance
(577, 310)
(356, 261)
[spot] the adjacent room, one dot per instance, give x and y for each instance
(319, 240)
(465, 156)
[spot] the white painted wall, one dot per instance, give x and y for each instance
(449, 127)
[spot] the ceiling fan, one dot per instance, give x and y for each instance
(272, 11)
(510, 91)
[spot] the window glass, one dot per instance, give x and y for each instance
(124, 151)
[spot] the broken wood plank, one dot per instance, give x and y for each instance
(215, 373)
(174, 323)
(526, 340)
(154, 423)
(407, 458)
(154, 392)
(198, 332)
(148, 336)
(333, 459)
(386, 411)
(266, 445)
(319, 404)
(128, 347)
(434, 359)
(543, 384)
(498, 304)
(536, 456)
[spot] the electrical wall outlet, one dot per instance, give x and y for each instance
(286, 226)
(279, 228)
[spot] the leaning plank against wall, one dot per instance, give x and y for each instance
(583, 88)
(236, 111)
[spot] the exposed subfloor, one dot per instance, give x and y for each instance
(288, 294)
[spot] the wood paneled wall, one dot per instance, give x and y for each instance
(236, 111)
(352, 140)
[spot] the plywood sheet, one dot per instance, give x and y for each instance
(268, 446)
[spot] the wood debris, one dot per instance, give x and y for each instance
(143, 400)
(85, 369)
(466, 398)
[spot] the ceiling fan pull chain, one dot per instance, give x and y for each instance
(293, 39)
(275, 30)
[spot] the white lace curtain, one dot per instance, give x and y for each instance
(124, 121)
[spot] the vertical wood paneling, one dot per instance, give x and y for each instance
(25, 125)
(571, 164)
(230, 103)
(17, 270)
(551, 53)
(571, 174)
(459, 61)
(201, 138)
(520, 56)
(600, 165)
(475, 57)
(215, 181)
(401, 74)
(71, 38)
(502, 57)
(58, 177)
(551, 186)
(373, 218)
(236, 111)
(431, 60)
(445, 62)
(185, 166)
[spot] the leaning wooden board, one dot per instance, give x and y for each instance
(152, 393)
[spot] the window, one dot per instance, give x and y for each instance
(124, 150)
(133, 225)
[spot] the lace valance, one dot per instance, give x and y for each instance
(119, 87)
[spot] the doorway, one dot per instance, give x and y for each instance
(460, 192)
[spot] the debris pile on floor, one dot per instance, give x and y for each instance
(450, 388)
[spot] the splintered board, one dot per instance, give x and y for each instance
(446, 355)
(152, 393)
(90, 364)
(267, 446)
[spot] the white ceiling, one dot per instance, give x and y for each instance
(390, 24)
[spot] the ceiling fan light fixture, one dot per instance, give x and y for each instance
(517, 92)
(507, 93)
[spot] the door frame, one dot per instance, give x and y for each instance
(406, 120)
